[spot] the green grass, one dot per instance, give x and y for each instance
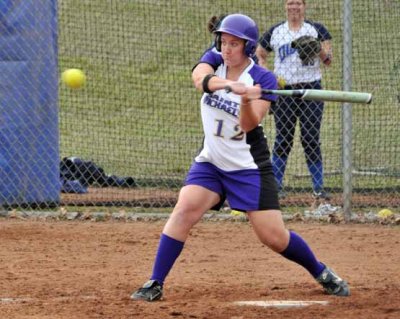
(138, 115)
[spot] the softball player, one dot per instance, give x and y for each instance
(233, 162)
(297, 75)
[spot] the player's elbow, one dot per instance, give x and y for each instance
(247, 125)
(262, 55)
(327, 62)
(200, 73)
(326, 54)
(247, 128)
(198, 81)
(327, 59)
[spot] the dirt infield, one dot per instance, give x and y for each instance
(153, 197)
(59, 269)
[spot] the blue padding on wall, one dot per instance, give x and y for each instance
(29, 144)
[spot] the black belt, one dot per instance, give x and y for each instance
(305, 85)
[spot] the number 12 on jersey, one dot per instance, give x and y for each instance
(236, 137)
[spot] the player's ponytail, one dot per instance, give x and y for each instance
(214, 23)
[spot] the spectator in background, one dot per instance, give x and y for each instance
(297, 72)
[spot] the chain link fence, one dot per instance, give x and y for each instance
(129, 135)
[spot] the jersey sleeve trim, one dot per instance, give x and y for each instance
(323, 33)
(212, 57)
(265, 40)
(267, 80)
(213, 66)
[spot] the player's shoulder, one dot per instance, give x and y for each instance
(258, 69)
(320, 28)
(314, 23)
(274, 32)
(276, 27)
(266, 79)
(212, 57)
(261, 75)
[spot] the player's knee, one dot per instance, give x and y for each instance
(310, 142)
(282, 149)
(312, 150)
(313, 155)
(276, 240)
(184, 216)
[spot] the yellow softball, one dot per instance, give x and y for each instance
(384, 213)
(73, 78)
(236, 213)
(281, 82)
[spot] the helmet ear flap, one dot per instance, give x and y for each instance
(217, 41)
(250, 48)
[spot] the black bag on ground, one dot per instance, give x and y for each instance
(88, 173)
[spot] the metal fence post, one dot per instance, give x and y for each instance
(347, 109)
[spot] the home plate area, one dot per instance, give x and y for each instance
(281, 303)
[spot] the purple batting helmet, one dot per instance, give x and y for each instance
(240, 26)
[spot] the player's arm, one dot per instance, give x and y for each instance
(206, 81)
(252, 110)
(262, 56)
(326, 55)
(264, 48)
(255, 105)
(324, 37)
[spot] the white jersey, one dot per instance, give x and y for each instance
(225, 145)
(287, 63)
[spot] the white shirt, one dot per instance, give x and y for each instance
(225, 145)
(287, 63)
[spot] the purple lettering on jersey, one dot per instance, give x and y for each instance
(220, 103)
